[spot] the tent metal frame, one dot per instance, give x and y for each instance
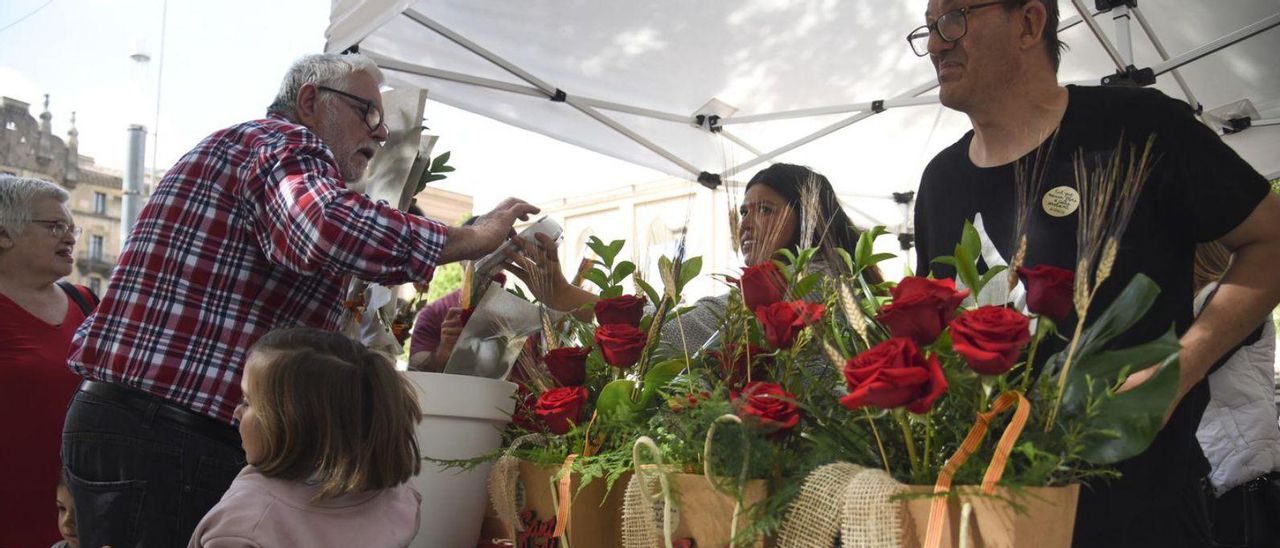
(1120, 52)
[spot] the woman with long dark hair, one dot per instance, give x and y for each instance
(784, 206)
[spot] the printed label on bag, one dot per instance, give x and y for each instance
(1061, 201)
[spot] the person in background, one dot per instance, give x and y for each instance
(1239, 432)
(436, 330)
(66, 516)
(770, 220)
(328, 432)
(38, 316)
(251, 230)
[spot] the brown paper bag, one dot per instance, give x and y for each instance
(594, 519)
(1046, 519)
(704, 514)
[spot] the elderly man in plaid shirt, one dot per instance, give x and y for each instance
(252, 230)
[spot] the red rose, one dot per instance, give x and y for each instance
(990, 338)
(782, 321)
(733, 362)
(568, 365)
(626, 309)
(561, 408)
(767, 405)
(1049, 290)
(893, 374)
(620, 344)
(921, 308)
(762, 285)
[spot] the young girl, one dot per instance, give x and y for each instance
(327, 428)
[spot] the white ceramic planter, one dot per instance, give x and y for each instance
(462, 418)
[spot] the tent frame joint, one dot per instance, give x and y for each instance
(877, 106)
(1131, 76)
(1236, 125)
(559, 96)
(709, 180)
(709, 122)
(1104, 5)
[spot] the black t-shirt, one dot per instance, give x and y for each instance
(1199, 190)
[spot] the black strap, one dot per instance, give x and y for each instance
(74, 292)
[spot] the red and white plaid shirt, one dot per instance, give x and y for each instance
(252, 230)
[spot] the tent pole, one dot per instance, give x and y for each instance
(739, 142)
(1265, 122)
(450, 76)
(833, 109)
(477, 49)
(1087, 16)
(1074, 20)
(1164, 56)
(457, 77)
(821, 133)
(1262, 25)
(614, 125)
(552, 92)
(858, 107)
(1124, 38)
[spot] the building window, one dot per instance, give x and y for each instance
(95, 247)
(99, 203)
(95, 285)
(8, 124)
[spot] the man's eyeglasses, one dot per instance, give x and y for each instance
(372, 116)
(950, 26)
(60, 228)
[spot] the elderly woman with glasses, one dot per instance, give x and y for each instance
(38, 316)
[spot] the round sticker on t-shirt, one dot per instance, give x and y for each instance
(1061, 201)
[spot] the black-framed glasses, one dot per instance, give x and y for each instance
(950, 26)
(61, 228)
(372, 116)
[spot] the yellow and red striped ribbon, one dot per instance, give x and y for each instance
(938, 509)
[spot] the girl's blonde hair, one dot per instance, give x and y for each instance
(333, 412)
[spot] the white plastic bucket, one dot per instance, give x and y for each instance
(462, 418)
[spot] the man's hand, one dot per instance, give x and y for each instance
(487, 233)
(1247, 293)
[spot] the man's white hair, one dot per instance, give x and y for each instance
(18, 197)
(322, 69)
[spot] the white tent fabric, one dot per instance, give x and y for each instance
(635, 74)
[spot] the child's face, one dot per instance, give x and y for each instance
(250, 428)
(67, 517)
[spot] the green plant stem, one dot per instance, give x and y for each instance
(1062, 375)
(911, 443)
(875, 432)
(1031, 354)
(928, 440)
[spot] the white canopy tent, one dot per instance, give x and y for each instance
(711, 89)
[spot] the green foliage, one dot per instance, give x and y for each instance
(447, 278)
(435, 171)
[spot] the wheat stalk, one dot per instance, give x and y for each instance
(1108, 196)
(852, 311)
(1018, 258)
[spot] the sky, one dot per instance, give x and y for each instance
(221, 64)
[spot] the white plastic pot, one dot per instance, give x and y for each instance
(462, 418)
